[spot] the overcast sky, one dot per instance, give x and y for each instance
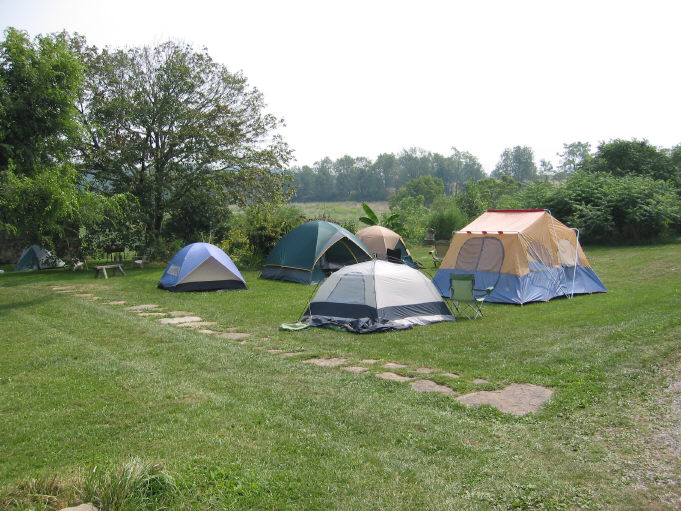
(368, 77)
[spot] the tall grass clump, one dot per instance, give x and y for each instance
(41, 494)
(133, 486)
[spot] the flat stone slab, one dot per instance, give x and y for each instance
(368, 361)
(179, 313)
(326, 362)
(430, 386)
(392, 376)
(119, 302)
(274, 351)
(479, 380)
(87, 295)
(518, 398)
(424, 370)
(197, 324)
(181, 319)
(394, 365)
(82, 507)
(62, 288)
(145, 306)
(63, 291)
(207, 331)
(451, 375)
(291, 354)
(355, 369)
(232, 335)
(151, 314)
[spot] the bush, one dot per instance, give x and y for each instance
(445, 218)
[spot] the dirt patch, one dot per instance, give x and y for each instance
(232, 335)
(394, 365)
(355, 369)
(176, 321)
(326, 362)
(518, 398)
(430, 386)
(393, 377)
(146, 306)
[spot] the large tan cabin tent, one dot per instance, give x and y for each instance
(526, 255)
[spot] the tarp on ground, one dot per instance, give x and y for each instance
(201, 267)
(376, 296)
(526, 255)
(312, 251)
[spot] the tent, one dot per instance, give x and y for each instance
(375, 296)
(201, 267)
(527, 255)
(312, 251)
(37, 258)
(379, 240)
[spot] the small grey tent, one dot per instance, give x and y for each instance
(375, 296)
(37, 258)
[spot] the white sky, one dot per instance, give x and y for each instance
(373, 76)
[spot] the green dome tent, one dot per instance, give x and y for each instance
(37, 258)
(312, 251)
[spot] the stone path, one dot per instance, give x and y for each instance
(517, 398)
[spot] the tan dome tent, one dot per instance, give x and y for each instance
(526, 255)
(385, 244)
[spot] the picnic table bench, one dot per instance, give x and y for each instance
(112, 267)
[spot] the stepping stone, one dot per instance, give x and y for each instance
(145, 314)
(82, 507)
(326, 362)
(368, 361)
(424, 370)
(291, 354)
(62, 288)
(232, 335)
(274, 351)
(430, 386)
(518, 398)
(355, 369)
(451, 375)
(393, 377)
(179, 313)
(242, 342)
(394, 365)
(67, 291)
(479, 380)
(197, 324)
(182, 319)
(87, 295)
(143, 307)
(205, 331)
(120, 302)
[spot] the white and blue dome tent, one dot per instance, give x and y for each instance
(37, 258)
(201, 267)
(376, 296)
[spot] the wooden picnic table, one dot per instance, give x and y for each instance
(112, 267)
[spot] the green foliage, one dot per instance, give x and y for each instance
(445, 217)
(427, 187)
(517, 163)
(490, 193)
(413, 217)
(370, 218)
(609, 208)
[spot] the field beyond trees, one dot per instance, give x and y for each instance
(87, 386)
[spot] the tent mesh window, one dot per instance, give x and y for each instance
(568, 253)
(538, 257)
(349, 290)
(480, 254)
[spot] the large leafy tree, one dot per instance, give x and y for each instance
(517, 163)
(572, 158)
(163, 121)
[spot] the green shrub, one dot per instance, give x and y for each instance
(445, 217)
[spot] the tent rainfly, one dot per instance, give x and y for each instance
(526, 255)
(201, 267)
(376, 296)
(312, 251)
(379, 240)
(37, 258)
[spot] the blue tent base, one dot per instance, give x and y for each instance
(212, 285)
(539, 286)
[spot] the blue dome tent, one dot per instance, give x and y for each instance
(201, 267)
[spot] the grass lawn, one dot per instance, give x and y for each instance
(344, 211)
(84, 384)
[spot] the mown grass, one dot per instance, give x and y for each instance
(85, 385)
(344, 211)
